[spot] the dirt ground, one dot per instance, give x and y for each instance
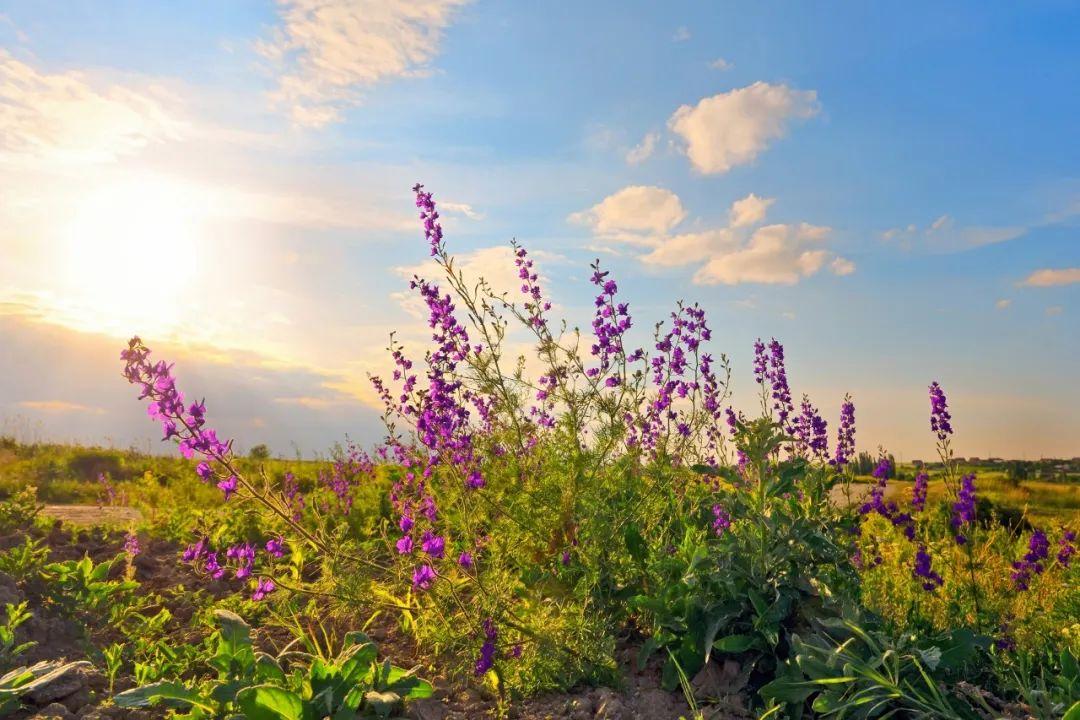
(74, 534)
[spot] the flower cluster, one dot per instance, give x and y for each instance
(940, 419)
(721, 519)
(131, 545)
(1032, 563)
(239, 558)
(430, 217)
(610, 322)
(919, 491)
(963, 510)
(888, 510)
(770, 368)
(487, 650)
(845, 435)
(187, 424)
(1066, 547)
(811, 430)
(536, 305)
(923, 570)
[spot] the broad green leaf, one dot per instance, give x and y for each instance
(735, 643)
(268, 702)
(1072, 713)
(169, 693)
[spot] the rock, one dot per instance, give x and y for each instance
(654, 705)
(60, 683)
(427, 709)
(77, 700)
(609, 706)
(56, 711)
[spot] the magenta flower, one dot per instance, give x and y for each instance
(404, 545)
(721, 519)
(275, 547)
(845, 436)
(465, 560)
(131, 544)
(228, 486)
(432, 544)
(940, 419)
(423, 577)
(964, 507)
(487, 650)
(263, 588)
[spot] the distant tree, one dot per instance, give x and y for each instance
(259, 452)
(1016, 471)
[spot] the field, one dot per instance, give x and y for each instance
(603, 538)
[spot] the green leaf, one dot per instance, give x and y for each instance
(1072, 713)
(735, 643)
(268, 702)
(787, 690)
(635, 544)
(172, 694)
(706, 470)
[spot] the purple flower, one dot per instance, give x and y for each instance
(433, 231)
(212, 567)
(487, 650)
(940, 419)
(187, 424)
(845, 436)
(1067, 548)
(1032, 564)
(922, 570)
(131, 544)
(721, 519)
(432, 544)
(919, 490)
(204, 471)
(244, 557)
(423, 577)
(964, 507)
(228, 486)
(465, 560)
(264, 588)
(811, 430)
(196, 552)
(404, 545)
(275, 547)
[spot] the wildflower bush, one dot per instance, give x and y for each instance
(525, 514)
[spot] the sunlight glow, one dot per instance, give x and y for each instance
(130, 253)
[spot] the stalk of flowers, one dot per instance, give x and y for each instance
(771, 373)
(963, 510)
(845, 435)
(240, 559)
(811, 432)
(1032, 562)
(941, 426)
(924, 572)
(919, 491)
(345, 473)
(185, 424)
(888, 510)
(1066, 547)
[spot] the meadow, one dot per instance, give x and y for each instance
(604, 538)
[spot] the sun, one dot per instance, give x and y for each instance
(130, 258)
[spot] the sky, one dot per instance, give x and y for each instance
(892, 191)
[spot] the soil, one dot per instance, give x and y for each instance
(640, 696)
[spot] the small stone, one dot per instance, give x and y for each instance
(56, 711)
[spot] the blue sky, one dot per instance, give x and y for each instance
(893, 193)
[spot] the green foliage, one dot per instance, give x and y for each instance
(292, 686)
(10, 647)
(19, 510)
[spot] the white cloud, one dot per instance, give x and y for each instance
(732, 128)
(944, 235)
(644, 149)
(461, 209)
(1003, 303)
(69, 118)
(750, 210)
(328, 51)
(636, 208)
(774, 255)
(642, 218)
(842, 266)
(1050, 277)
(682, 34)
(721, 64)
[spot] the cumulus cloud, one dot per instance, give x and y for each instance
(60, 406)
(68, 117)
(750, 210)
(634, 209)
(734, 127)
(842, 266)
(328, 51)
(643, 150)
(742, 252)
(1050, 277)
(721, 64)
(494, 264)
(1002, 303)
(1054, 310)
(682, 34)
